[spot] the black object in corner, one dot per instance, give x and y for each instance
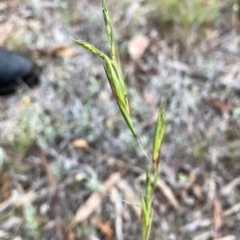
(16, 68)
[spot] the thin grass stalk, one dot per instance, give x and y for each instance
(113, 69)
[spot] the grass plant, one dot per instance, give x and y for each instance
(114, 72)
(32, 124)
(185, 13)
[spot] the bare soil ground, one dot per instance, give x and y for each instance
(70, 168)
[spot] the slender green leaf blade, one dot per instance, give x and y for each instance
(108, 28)
(143, 218)
(114, 83)
(128, 120)
(90, 48)
(119, 72)
(119, 95)
(157, 138)
(113, 46)
(148, 194)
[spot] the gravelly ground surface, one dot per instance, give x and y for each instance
(70, 142)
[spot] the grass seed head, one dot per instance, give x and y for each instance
(157, 138)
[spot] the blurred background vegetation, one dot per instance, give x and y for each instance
(60, 141)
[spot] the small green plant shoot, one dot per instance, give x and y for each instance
(116, 81)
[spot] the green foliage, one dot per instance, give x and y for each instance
(32, 124)
(31, 224)
(146, 207)
(113, 70)
(186, 12)
(66, 8)
(157, 138)
(92, 181)
(116, 81)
